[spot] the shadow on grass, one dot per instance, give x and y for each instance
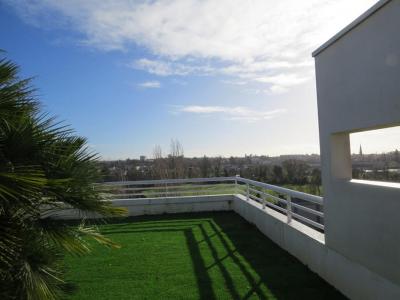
(203, 279)
(232, 253)
(283, 275)
(250, 265)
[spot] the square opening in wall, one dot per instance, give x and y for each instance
(375, 154)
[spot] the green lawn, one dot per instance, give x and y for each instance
(192, 256)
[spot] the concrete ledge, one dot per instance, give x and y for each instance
(157, 206)
(308, 245)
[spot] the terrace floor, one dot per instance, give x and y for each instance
(192, 256)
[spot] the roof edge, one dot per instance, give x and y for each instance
(377, 6)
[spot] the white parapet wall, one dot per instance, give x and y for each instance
(308, 245)
(158, 206)
(358, 87)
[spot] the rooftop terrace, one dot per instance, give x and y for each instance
(218, 238)
(215, 255)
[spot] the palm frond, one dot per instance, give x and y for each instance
(43, 166)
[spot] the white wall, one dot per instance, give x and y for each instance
(308, 245)
(358, 86)
(157, 206)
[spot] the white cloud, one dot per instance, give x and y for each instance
(245, 39)
(178, 81)
(234, 82)
(280, 83)
(166, 68)
(150, 84)
(239, 113)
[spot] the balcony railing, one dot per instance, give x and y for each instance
(306, 208)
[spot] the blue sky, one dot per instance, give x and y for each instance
(222, 77)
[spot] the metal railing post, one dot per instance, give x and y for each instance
(236, 185)
(289, 208)
(247, 192)
(166, 190)
(263, 199)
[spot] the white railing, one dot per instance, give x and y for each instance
(170, 187)
(303, 207)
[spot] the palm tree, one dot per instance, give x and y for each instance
(43, 166)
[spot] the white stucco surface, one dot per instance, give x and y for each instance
(358, 87)
(351, 278)
(156, 206)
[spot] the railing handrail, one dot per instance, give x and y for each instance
(275, 188)
(169, 181)
(278, 189)
(162, 187)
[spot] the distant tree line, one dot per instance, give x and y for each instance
(175, 165)
(382, 167)
(301, 172)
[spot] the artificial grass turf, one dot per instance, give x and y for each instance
(192, 256)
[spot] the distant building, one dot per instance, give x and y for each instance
(142, 157)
